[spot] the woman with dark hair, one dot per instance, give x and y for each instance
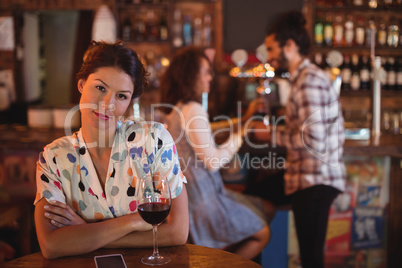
(313, 137)
(86, 182)
(219, 218)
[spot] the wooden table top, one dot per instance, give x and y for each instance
(182, 256)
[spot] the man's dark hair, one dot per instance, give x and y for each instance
(291, 25)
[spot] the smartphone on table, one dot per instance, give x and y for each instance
(108, 261)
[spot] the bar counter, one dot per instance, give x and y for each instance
(23, 138)
(16, 140)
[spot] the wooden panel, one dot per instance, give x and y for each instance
(394, 249)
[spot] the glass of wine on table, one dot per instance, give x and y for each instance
(154, 201)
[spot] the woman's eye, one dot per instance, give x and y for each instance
(100, 88)
(122, 96)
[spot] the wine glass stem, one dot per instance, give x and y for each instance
(155, 238)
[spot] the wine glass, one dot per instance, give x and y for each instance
(154, 200)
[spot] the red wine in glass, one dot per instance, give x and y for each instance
(154, 213)
(154, 200)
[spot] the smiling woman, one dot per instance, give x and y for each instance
(86, 182)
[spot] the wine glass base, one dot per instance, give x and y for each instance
(155, 260)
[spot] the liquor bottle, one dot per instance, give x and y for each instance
(163, 28)
(364, 74)
(400, 31)
(207, 31)
(177, 29)
(399, 75)
(319, 29)
(372, 3)
(359, 32)
(346, 74)
(197, 32)
(355, 79)
(338, 30)
(383, 79)
(349, 31)
(339, 3)
(388, 3)
(393, 33)
(391, 74)
(139, 27)
(370, 32)
(152, 33)
(187, 31)
(127, 29)
(382, 33)
(328, 30)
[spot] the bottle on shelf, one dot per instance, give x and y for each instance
(383, 78)
(152, 32)
(370, 32)
(163, 28)
(207, 31)
(187, 31)
(177, 29)
(197, 39)
(319, 29)
(393, 33)
(388, 3)
(400, 31)
(349, 30)
(139, 27)
(391, 74)
(364, 73)
(127, 30)
(382, 33)
(339, 3)
(399, 75)
(355, 79)
(328, 30)
(346, 73)
(360, 32)
(372, 3)
(338, 30)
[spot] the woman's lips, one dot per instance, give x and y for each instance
(102, 116)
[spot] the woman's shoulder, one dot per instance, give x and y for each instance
(193, 108)
(139, 132)
(63, 143)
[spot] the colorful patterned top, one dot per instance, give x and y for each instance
(66, 173)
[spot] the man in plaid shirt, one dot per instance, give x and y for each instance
(315, 173)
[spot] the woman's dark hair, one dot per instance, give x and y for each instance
(179, 80)
(291, 25)
(103, 54)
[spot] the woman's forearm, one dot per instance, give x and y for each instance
(174, 231)
(83, 238)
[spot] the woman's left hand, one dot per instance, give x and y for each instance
(61, 215)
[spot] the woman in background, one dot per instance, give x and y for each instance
(86, 182)
(219, 218)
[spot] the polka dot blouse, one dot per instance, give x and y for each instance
(66, 173)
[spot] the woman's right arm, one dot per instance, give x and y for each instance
(199, 136)
(79, 239)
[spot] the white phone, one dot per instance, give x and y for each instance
(112, 260)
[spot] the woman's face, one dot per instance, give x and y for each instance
(106, 95)
(204, 78)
